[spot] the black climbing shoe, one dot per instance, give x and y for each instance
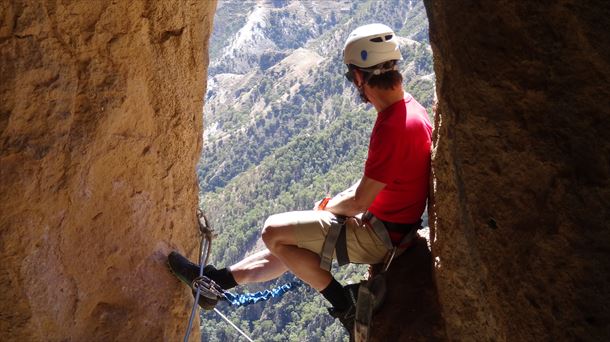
(347, 317)
(187, 272)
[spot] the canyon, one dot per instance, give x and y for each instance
(101, 130)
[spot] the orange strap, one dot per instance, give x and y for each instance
(323, 203)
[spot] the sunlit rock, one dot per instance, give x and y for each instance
(100, 130)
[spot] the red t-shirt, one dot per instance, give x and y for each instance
(399, 156)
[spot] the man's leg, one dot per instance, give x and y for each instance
(279, 234)
(281, 241)
(258, 267)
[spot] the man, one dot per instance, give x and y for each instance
(393, 189)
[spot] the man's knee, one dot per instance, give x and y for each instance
(275, 232)
(269, 233)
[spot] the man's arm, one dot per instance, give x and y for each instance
(356, 199)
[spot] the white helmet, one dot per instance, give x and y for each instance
(370, 45)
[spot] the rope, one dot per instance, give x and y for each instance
(251, 298)
(235, 299)
(204, 249)
(233, 325)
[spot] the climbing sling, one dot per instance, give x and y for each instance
(371, 292)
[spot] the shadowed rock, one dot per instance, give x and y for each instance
(521, 165)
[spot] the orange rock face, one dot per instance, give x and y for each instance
(100, 131)
(520, 216)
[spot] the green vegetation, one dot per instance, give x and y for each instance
(224, 29)
(416, 24)
(297, 174)
(285, 139)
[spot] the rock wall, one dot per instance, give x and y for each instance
(100, 131)
(100, 105)
(521, 165)
(411, 309)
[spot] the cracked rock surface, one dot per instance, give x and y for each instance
(100, 130)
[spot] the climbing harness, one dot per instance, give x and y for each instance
(335, 241)
(371, 292)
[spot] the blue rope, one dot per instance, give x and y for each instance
(251, 298)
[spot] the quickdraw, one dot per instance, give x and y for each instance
(204, 249)
(204, 286)
(208, 288)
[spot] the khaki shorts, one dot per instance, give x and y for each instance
(311, 227)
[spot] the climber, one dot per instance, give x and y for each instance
(392, 191)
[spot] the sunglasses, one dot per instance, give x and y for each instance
(349, 76)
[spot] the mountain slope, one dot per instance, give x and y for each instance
(283, 128)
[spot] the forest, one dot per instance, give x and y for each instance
(283, 128)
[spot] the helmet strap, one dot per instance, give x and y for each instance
(363, 96)
(360, 87)
(367, 73)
